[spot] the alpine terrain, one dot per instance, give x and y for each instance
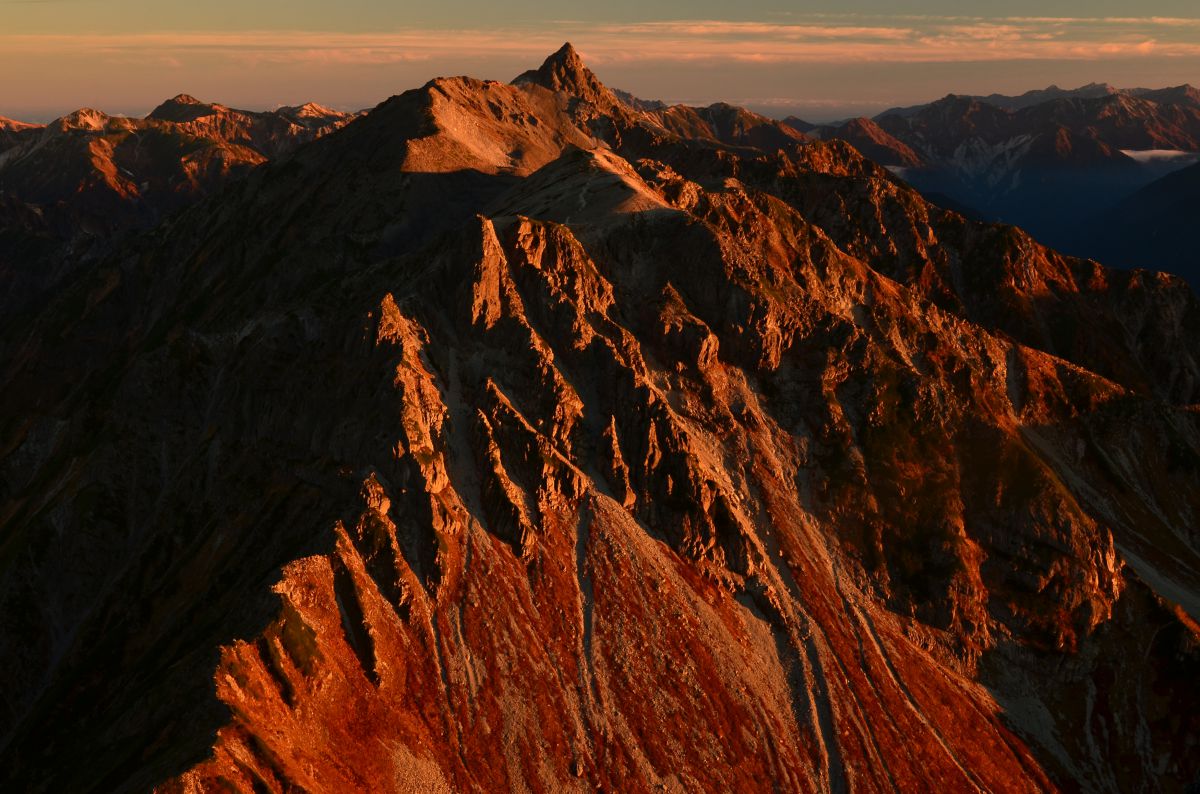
(530, 437)
(1060, 163)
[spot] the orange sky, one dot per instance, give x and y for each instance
(820, 66)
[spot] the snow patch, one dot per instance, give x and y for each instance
(1173, 156)
(989, 163)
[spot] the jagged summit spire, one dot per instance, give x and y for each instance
(565, 71)
(568, 56)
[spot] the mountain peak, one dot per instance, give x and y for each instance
(182, 108)
(309, 110)
(568, 57)
(313, 108)
(565, 71)
(84, 119)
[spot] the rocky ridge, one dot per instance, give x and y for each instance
(117, 170)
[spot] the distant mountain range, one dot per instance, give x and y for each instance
(1182, 94)
(115, 171)
(1055, 162)
(71, 185)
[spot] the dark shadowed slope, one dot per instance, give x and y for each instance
(1048, 161)
(1155, 227)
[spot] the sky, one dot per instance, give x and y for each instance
(820, 60)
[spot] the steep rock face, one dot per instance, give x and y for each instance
(992, 275)
(1002, 279)
(565, 72)
(681, 465)
(535, 470)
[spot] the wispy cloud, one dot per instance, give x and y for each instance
(901, 39)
